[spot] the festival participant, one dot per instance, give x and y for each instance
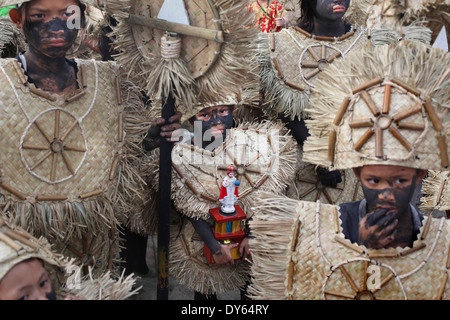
(31, 270)
(384, 117)
(269, 15)
(74, 124)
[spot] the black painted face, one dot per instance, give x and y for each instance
(215, 123)
(393, 199)
(52, 39)
(331, 9)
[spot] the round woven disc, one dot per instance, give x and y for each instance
(198, 53)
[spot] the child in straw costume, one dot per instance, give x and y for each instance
(386, 116)
(263, 155)
(31, 270)
(69, 128)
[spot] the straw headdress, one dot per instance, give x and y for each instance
(388, 106)
(299, 252)
(290, 61)
(16, 245)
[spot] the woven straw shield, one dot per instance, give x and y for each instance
(369, 116)
(199, 69)
(436, 191)
(300, 253)
(17, 245)
(308, 187)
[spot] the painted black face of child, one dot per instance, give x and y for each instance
(48, 26)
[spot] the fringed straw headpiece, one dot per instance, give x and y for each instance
(388, 106)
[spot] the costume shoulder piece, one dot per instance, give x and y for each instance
(264, 156)
(303, 244)
(61, 154)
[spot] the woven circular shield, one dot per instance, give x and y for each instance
(200, 54)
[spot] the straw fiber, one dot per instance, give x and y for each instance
(436, 191)
(310, 259)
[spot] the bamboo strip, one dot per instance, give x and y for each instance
(368, 84)
(326, 194)
(413, 249)
(295, 236)
(411, 126)
(48, 154)
(53, 170)
(245, 193)
(272, 41)
(71, 148)
(338, 294)
(291, 275)
(261, 181)
(378, 142)
(312, 74)
(7, 240)
(249, 179)
(347, 35)
(332, 146)
(76, 96)
(120, 129)
(42, 94)
(437, 123)
(114, 166)
(376, 254)
(370, 103)
(19, 71)
(83, 76)
(306, 180)
(304, 32)
(183, 244)
(366, 275)
(333, 57)
(91, 194)
(426, 228)
(323, 52)
(385, 281)
(406, 87)
(363, 123)
(186, 181)
(448, 260)
(307, 192)
(349, 279)
(336, 220)
(366, 136)
(18, 237)
(277, 66)
(57, 119)
(118, 92)
(51, 198)
(387, 99)
(10, 189)
(442, 287)
(443, 151)
(342, 109)
(207, 197)
(47, 137)
(310, 65)
(408, 112)
(28, 146)
(72, 126)
(400, 138)
(67, 162)
(294, 85)
(349, 245)
(313, 54)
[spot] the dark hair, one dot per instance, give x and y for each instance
(306, 20)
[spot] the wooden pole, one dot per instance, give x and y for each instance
(165, 181)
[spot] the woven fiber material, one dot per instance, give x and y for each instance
(436, 191)
(288, 72)
(191, 269)
(408, 131)
(307, 185)
(206, 70)
(16, 245)
(11, 39)
(319, 263)
(248, 147)
(77, 188)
